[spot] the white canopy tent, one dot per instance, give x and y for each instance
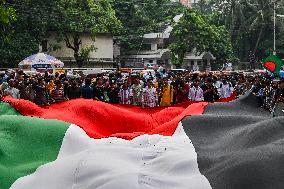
(40, 61)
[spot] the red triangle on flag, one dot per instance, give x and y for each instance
(271, 66)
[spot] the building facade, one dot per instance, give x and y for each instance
(199, 61)
(101, 57)
(158, 53)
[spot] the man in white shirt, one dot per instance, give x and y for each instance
(225, 89)
(12, 91)
(195, 92)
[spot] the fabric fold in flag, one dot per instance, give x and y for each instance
(48, 153)
(148, 161)
(90, 144)
(239, 145)
(102, 120)
(26, 143)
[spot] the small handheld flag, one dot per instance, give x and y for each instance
(273, 64)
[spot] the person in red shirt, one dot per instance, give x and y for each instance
(58, 93)
(182, 91)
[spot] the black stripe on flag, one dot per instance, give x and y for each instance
(239, 146)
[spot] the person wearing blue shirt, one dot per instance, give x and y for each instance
(87, 89)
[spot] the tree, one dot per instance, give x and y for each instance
(193, 31)
(250, 23)
(7, 13)
(68, 17)
(16, 48)
(141, 17)
(27, 32)
(79, 16)
(7, 17)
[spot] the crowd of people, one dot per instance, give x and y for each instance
(269, 93)
(140, 89)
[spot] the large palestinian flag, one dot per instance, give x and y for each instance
(84, 144)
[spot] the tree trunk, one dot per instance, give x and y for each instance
(180, 59)
(77, 42)
(78, 59)
(75, 47)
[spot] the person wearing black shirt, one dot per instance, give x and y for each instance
(113, 94)
(73, 90)
(210, 92)
(41, 93)
(98, 90)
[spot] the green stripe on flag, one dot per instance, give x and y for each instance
(7, 109)
(26, 143)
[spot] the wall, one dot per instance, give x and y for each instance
(103, 43)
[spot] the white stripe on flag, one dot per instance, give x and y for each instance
(148, 162)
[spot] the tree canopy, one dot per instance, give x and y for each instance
(250, 23)
(7, 17)
(228, 29)
(194, 31)
(141, 17)
(36, 18)
(79, 16)
(7, 13)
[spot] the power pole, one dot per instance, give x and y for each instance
(275, 15)
(274, 30)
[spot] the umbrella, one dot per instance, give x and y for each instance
(41, 59)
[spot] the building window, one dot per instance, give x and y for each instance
(150, 61)
(44, 46)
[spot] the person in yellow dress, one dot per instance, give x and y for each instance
(167, 93)
(50, 86)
